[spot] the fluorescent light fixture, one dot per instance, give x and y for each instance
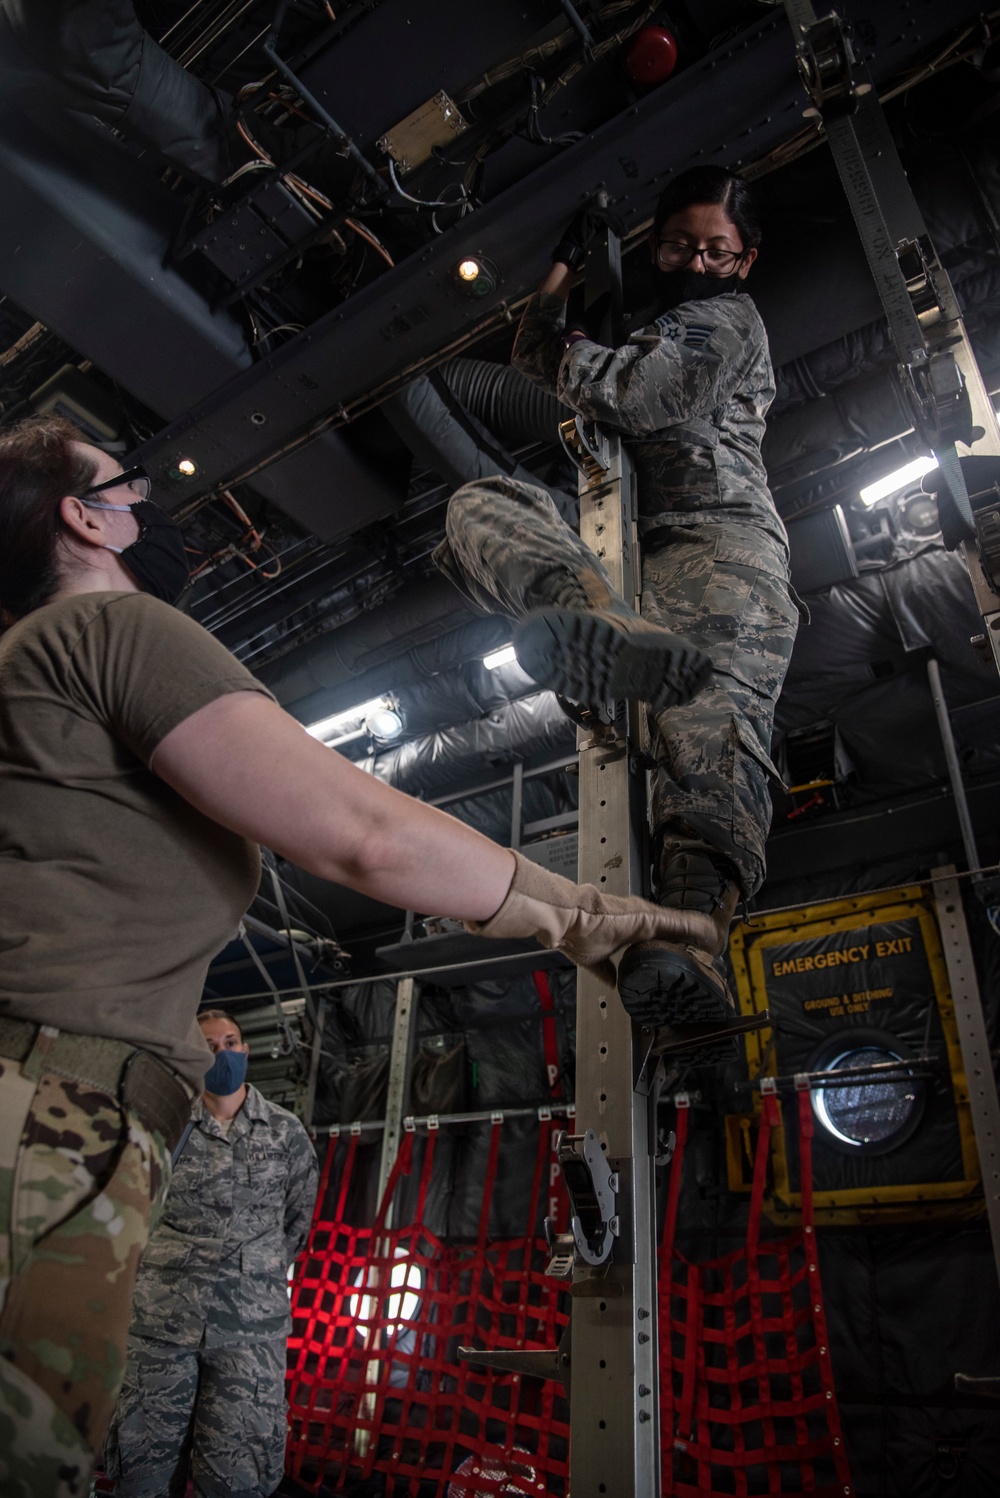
(502, 657)
(355, 717)
(898, 480)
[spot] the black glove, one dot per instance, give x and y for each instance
(572, 247)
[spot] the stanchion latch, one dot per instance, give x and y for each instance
(827, 62)
(593, 1188)
(587, 446)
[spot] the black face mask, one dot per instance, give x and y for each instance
(687, 285)
(158, 560)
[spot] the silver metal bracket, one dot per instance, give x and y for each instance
(674, 1041)
(592, 1187)
(548, 1362)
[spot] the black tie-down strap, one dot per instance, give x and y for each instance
(981, 480)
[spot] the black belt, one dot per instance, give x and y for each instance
(141, 1082)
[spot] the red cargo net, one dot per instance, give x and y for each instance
(746, 1386)
(375, 1386)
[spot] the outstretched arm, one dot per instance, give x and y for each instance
(247, 764)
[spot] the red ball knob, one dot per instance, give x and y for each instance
(652, 55)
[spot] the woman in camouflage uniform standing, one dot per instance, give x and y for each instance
(140, 766)
(688, 392)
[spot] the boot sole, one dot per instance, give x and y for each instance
(667, 990)
(666, 987)
(590, 660)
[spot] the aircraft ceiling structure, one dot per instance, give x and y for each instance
(292, 353)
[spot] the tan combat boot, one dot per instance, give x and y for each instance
(589, 646)
(676, 984)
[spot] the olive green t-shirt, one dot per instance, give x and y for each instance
(115, 893)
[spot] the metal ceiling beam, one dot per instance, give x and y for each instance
(733, 106)
(86, 229)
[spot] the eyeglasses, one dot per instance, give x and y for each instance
(674, 254)
(135, 479)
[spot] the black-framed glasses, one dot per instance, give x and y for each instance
(135, 479)
(675, 254)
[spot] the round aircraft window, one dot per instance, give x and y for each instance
(878, 1103)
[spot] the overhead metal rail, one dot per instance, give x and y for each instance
(948, 398)
(734, 106)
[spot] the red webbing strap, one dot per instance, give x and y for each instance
(425, 1174)
(375, 1274)
(542, 1152)
(345, 1176)
(769, 1119)
(403, 1328)
(324, 1180)
(550, 1040)
(488, 1181)
(402, 1165)
(806, 1131)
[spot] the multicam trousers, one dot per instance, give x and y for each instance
(721, 584)
(80, 1181)
(218, 1413)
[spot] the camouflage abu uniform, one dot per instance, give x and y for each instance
(689, 393)
(204, 1380)
(80, 1180)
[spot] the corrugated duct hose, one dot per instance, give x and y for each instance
(506, 403)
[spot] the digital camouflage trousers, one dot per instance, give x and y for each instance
(80, 1181)
(721, 584)
(216, 1414)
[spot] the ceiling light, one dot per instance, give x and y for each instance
(188, 467)
(476, 276)
(386, 723)
(898, 480)
(502, 657)
(355, 717)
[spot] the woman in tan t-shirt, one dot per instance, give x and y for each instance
(140, 767)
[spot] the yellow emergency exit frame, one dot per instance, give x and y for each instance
(896, 1203)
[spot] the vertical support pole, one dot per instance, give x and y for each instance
(614, 1404)
(400, 1066)
(954, 768)
(970, 1022)
(398, 1091)
(309, 1105)
(517, 794)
